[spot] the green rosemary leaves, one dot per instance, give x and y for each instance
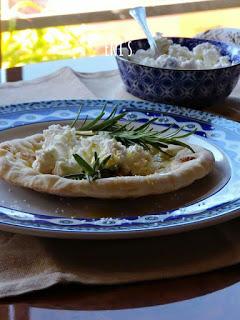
(92, 172)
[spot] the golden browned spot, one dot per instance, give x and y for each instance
(28, 156)
(7, 147)
(187, 158)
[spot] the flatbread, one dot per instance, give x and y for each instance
(17, 156)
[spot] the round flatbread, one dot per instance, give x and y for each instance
(17, 156)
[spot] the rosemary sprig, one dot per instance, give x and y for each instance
(92, 172)
(100, 124)
(128, 134)
(146, 137)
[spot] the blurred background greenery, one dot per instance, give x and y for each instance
(53, 43)
(36, 45)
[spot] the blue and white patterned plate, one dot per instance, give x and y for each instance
(211, 200)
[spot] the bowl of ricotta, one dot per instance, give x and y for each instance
(186, 71)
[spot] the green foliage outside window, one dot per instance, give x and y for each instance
(36, 45)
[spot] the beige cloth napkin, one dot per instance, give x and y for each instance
(32, 263)
(63, 84)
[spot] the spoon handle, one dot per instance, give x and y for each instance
(139, 14)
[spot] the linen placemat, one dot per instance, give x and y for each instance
(62, 84)
(31, 263)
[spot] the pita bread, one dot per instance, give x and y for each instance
(17, 156)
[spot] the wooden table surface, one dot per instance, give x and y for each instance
(210, 296)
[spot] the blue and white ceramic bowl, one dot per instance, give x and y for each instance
(180, 87)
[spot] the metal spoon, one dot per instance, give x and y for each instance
(139, 14)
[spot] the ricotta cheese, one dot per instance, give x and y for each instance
(175, 56)
(61, 142)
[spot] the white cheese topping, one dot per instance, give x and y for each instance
(175, 56)
(61, 142)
